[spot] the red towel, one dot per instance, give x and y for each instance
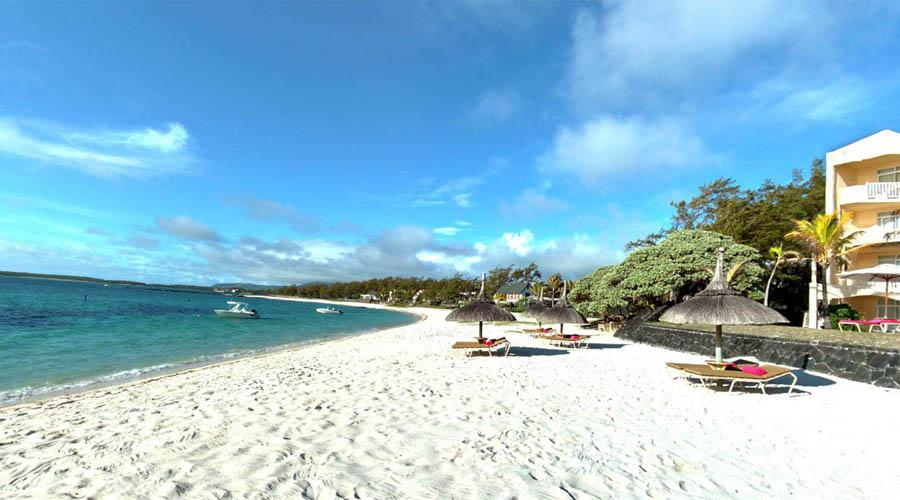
(753, 370)
(574, 337)
(489, 342)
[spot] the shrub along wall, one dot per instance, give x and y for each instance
(878, 366)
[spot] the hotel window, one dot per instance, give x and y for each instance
(889, 221)
(889, 259)
(889, 175)
(893, 309)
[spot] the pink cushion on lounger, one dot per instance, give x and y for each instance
(489, 342)
(574, 337)
(753, 370)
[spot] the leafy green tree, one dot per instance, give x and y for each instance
(825, 238)
(676, 266)
(755, 217)
(778, 255)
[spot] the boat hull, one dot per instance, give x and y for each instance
(222, 313)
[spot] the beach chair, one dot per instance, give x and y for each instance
(852, 324)
(573, 341)
(537, 332)
(467, 347)
(707, 375)
(885, 325)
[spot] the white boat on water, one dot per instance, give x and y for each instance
(328, 310)
(237, 310)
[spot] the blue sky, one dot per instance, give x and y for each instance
(282, 143)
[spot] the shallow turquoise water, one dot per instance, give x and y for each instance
(57, 335)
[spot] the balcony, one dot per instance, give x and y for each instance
(870, 192)
(875, 235)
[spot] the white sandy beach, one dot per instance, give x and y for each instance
(395, 414)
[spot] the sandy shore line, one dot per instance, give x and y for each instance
(395, 414)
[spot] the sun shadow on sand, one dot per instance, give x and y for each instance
(535, 351)
(771, 390)
(806, 379)
(605, 346)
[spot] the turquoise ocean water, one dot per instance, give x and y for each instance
(66, 335)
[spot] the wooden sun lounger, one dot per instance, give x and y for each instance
(567, 341)
(884, 325)
(706, 375)
(537, 332)
(470, 346)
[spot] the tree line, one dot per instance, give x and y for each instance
(422, 291)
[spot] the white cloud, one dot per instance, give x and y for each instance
(459, 190)
(184, 227)
(649, 53)
(446, 231)
(833, 100)
(532, 203)
(172, 140)
(105, 153)
(201, 256)
(463, 200)
(519, 242)
(273, 211)
(607, 145)
(495, 106)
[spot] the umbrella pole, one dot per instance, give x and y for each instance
(560, 328)
(718, 343)
(886, 281)
(480, 336)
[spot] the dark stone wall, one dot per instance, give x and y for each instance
(864, 364)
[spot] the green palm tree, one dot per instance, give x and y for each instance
(826, 242)
(554, 283)
(536, 288)
(779, 255)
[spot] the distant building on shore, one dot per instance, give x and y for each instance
(515, 292)
(863, 181)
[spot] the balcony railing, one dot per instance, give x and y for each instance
(889, 233)
(883, 190)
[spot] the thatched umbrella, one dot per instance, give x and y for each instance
(535, 309)
(561, 313)
(719, 304)
(481, 309)
(886, 272)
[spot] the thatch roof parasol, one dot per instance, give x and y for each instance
(534, 309)
(481, 309)
(561, 313)
(718, 305)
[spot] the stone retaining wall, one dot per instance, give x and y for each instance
(880, 367)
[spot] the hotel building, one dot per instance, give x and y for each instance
(863, 181)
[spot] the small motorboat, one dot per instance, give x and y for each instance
(328, 310)
(237, 310)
